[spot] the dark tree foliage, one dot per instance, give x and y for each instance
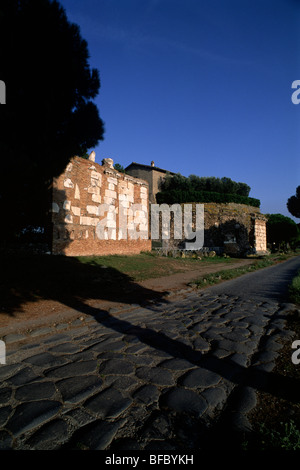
(49, 115)
(281, 229)
(180, 189)
(201, 183)
(293, 204)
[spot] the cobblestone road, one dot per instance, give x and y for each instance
(156, 378)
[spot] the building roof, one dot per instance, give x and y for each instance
(149, 167)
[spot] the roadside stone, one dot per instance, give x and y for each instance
(246, 400)
(13, 338)
(215, 396)
(146, 394)
(184, 401)
(200, 378)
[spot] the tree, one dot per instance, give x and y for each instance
(49, 115)
(281, 230)
(119, 167)
(293, 203)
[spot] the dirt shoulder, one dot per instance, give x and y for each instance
(43, 312)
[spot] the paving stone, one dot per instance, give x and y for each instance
(76, 389)
(108, 345)
(184, 401)
(240, 359)
(45, 359)
(35, 391)
(109, 403)
(50, 436)
(24, 376)
(5, 395)
(113, 367)
(13, 338)
(215, 396)
(201, 345)
(42, 331)
(176, 364)
(27, 416)
(5, 412)
(96, 435)
(9, 370)
(155, 376)
(200, 378)
(121, 382)
(65, 348)
(246, 400)
(5, 441)
(146, 394)
(73, 369)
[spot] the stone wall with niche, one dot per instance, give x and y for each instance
(234, 229)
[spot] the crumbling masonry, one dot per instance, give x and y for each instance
(88, 199)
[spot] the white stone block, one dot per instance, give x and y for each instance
(92, 210)
(69, 167)
(67, 205)
(113, 234)
(109, 193)
(94, 221)
(77, 192)
(76, 210)
(112, 180)
(68, 183)
(85, 220)
(94, 190)
(108, 200)
(55, 208)
(96, 198)
(96, 175)
(69, 219)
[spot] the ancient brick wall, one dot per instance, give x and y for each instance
(99, 211)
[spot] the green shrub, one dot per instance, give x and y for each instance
(179, 196)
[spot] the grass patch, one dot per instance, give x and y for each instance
(226, 275)
(149, 265)
(294, 290)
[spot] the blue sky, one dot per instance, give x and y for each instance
(199, 86)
